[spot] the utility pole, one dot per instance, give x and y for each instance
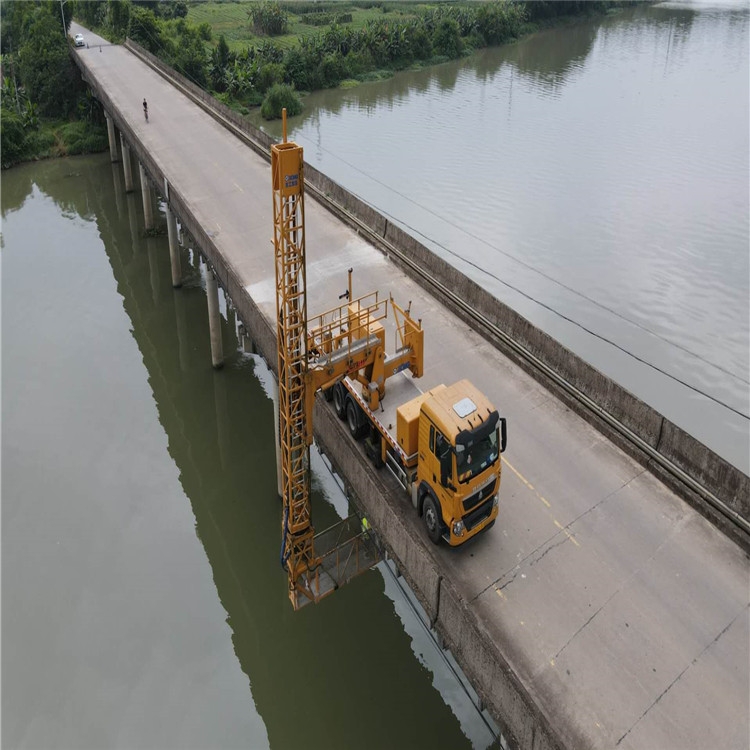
(62, 15)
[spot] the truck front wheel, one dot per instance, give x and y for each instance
(431, 519)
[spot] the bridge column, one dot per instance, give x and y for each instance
(148, 213)
(126, 164)
(174, 250)
(214, 319)
(112, 138)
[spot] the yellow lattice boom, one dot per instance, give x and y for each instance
(291, 316)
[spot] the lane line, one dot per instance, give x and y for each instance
(542, 498)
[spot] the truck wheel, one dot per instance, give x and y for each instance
(357, 425)
(339, 400)
(377, 459)
(328, 393)
(373, 446)
(431, 519)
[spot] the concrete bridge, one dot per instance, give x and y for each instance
(605, 608)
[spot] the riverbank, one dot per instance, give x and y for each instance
(51, 139)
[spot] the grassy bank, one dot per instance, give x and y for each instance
(305, 20)
(52, 139)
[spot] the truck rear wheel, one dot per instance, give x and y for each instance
(355, 420)
(431, 519)
(373, 447)
(339, 400)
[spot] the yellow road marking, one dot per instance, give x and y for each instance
(542, 498)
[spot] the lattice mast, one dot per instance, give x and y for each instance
(298, 554)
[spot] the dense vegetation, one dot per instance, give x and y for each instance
(243, 51)
(45, 108)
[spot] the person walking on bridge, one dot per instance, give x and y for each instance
(145, 109)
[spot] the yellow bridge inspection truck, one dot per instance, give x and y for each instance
(443, 446)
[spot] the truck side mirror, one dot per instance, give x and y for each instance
(503, 435)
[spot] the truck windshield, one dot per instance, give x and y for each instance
(474, 456)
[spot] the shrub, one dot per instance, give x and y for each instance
(268, 75)
(301, 69)
(281, 96)
(332, 70)
(41, 143)
(82, 138)
(498, 22)
(12, 137)
(447, 38)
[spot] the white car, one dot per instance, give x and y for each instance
(78, 40)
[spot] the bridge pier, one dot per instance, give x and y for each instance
(174, 250)
(126, 164)
(112, 138)
(148, 213)
(214, 319)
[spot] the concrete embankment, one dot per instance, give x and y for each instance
(714, 486)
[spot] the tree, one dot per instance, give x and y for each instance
(190, 56)
(63, 11)
(45, 67)
(119, 17)
(145, 29)
(222, 52)
(15, 21)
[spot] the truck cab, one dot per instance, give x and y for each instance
(461, 437)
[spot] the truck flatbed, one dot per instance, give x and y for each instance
(398, 390)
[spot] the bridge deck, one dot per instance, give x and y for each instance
(620, 608)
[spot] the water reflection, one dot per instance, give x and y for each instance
(339, 675)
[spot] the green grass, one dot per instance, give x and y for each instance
(231, 20)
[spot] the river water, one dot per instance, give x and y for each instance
(143, 604)
(594, 177)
